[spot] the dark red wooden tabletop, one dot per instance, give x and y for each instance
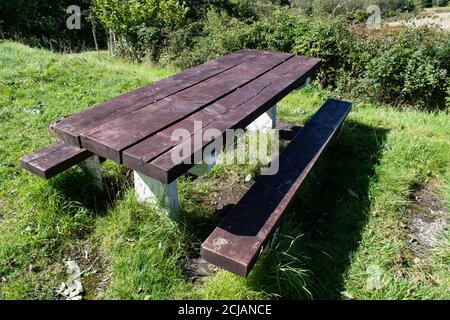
(227, 93)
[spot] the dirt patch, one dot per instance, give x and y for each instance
(428, 218)
(288, 130)
(197, 269)
(94, 272)
(226, 192)
(438, 19)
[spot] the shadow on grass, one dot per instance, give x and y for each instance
(76, 185)
(325, 223)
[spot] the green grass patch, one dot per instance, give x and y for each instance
(342, 239)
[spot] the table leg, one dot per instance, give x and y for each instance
(203, 168)
(92, 166)
(151, 190)
(305, 84)
(266, 121)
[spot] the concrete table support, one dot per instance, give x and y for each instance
(93, 168)
(151, 190)
(266, 121)
(203, 168)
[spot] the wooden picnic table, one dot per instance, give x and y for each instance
(232, 92)
(135, 129)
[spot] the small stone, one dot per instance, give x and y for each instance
(348, 295)
(248, 177)
(33, 268)
(73, 288)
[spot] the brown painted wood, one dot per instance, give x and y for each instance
(236, 243)
(270, 90)
(69, 129)
(54, 159)
(150, 148)
(111, 138)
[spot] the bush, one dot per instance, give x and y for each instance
(344, 7)
(141, 25)
(408, 67)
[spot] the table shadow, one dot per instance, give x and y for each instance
(324, 225)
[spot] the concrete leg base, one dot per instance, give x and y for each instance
(151, 190)
(202, 168)
(92, 166)
(266, 121)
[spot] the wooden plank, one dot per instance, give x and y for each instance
(288, 77)
(54, 159)
(161, 142)
(70, 128)
(110, 139)
(236, 243)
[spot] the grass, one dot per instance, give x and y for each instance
(332, 245)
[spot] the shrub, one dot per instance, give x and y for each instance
(409, 67)
(350, 7)
(402, 67)
(141, 25)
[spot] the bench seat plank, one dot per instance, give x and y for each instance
(236, 243)
(54, 159)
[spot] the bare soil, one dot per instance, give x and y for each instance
(94, 271)
(428, 218)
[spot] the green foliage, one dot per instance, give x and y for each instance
(141, 25)
(349, 7)
(123, 17)
(409, 66)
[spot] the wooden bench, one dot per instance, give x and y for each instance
(236, 243)
(54, 159)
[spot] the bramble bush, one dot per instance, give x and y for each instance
(406, 67)
(141, 25)
(403, 67)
